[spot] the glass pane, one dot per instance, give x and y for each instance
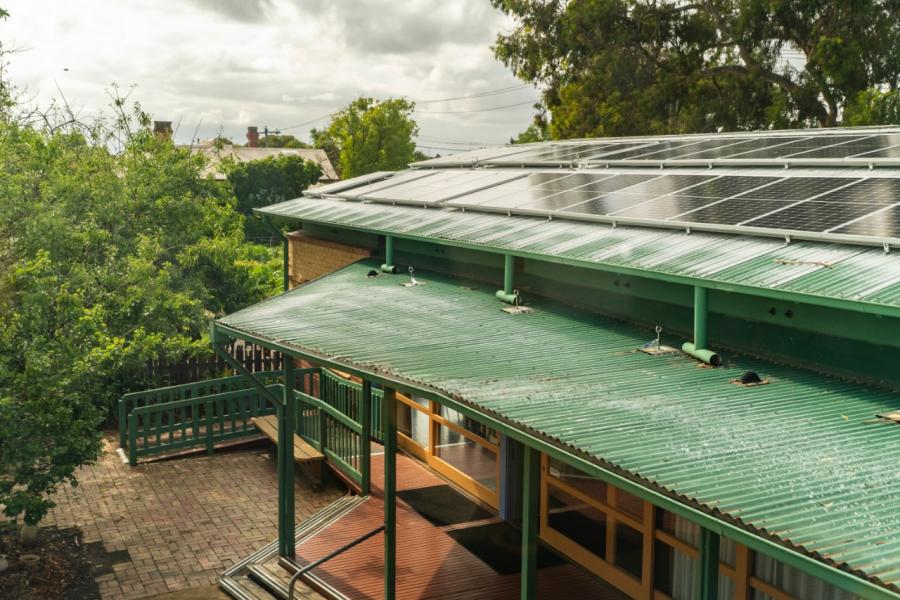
(673, 572)
(581, 523)
(482, 431)
(682, 529)
(469, 457)
(412, 423)
(793, 582)
(629, 549)
(594, 488)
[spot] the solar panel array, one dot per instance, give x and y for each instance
(857, 205)
(598, 180)
(846, 146)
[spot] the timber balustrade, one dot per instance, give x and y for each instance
(207, 413)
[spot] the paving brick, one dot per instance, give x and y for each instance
(183, 522)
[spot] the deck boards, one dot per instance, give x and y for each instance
(303, 451)
(430, 563)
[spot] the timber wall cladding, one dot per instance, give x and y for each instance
(309, 257)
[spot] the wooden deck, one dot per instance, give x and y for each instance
(430, 563)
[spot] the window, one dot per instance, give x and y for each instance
(459, 448)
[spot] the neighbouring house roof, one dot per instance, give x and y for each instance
(245, 154)
(801, 461)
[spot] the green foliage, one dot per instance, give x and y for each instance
(267, 181)
(874, 107)
(281, 140)
(534, 133)
(370, 135)
(623, 67)
(106, 260)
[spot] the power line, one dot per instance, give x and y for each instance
(505, 90)
(474, 110)
(444, 140)
(316, 120)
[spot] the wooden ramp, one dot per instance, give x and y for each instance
(430, 562)
(304, 452)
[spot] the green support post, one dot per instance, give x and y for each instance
(507, 294)
(285, 264)
(531, 484)
(287, 458)
(701, 306)
(708, 565)
(388, 266)
(698, 348)
(389, 428)
(365, 441)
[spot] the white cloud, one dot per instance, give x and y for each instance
(232, 63)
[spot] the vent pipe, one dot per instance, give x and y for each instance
(698, 348)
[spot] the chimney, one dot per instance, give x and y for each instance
(162, 128)
(252, 137)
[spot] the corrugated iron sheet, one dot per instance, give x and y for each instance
(798, 460)
(827, 270)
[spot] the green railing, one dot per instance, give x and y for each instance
(210, 412)
(197, 415)
(176, 393)
(331, 422)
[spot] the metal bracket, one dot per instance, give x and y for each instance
(516, 308)
(413, 282)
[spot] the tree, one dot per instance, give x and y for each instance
(370, 135)
(534, 133)
(106, 260)
(622, 67)
(267, 181)
(281, 140)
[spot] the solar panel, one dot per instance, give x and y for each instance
(884, 223)
(535, 185)
(636, 194)
(347, 184)
(401, 177)
(440, 186)
(735, 150)
(696, 197)
(557, 154)
(852, 146)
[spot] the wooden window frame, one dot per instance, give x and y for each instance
(429, 454)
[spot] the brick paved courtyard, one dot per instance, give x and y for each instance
(177, 524)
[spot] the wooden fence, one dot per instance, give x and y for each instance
(197, 368)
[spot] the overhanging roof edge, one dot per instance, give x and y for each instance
(774, 293)
(853, 581)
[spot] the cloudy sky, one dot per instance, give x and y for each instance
(211, 64)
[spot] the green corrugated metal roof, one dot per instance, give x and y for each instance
(797, 460)
(856, 277)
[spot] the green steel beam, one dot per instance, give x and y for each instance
(708, 565)
(592, 466)
(531, 488)
(365, 442)
(389, 427)
(286, 430)
(775, 294)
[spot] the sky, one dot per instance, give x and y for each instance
(223, 65)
